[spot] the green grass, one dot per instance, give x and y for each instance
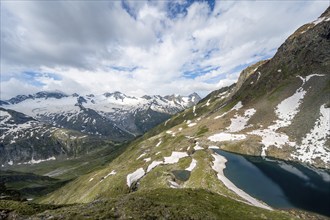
(25, 208)
(201, 131)
(151, 204)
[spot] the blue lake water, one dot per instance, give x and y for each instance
(280, 184)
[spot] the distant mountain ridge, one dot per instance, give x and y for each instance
(47, 124)
(113, 115)
(24, 140)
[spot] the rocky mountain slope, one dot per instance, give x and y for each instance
(278, 108)
(25, 140)
(112, 115)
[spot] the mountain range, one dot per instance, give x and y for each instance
(47, 124)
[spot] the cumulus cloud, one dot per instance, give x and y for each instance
(140, 47)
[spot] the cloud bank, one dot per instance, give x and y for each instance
(140, 47)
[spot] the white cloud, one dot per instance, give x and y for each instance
(9, 88)
(80, 41)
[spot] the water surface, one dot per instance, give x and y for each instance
(280, 184)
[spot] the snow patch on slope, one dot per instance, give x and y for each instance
(4, 117)
(135, 176)
(226, 137)
(33, 161)
(312, 144)
(175, 157)
(320, 20)
(109, 174)
(192, 124)
(285, 111)
(147, 159)
(192, 165)
(153, 165)
(289, 108)
(198, 147)
(171, 133)
(142, 155)
(236, 107)
(159, 143)
(271, 138)
(239, 122)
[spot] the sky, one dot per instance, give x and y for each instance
(140, 47)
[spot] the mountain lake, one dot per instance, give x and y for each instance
(280, 184)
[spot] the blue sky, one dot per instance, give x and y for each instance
(140, 47)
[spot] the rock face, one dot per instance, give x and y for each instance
(245, 74)
(305, 52)
(113, 115)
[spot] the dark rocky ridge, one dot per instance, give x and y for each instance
(305, 52)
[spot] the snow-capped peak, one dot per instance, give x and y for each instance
(86, 113)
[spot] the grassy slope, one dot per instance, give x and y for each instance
(84, 190)
(156, 204)
(203, 176)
